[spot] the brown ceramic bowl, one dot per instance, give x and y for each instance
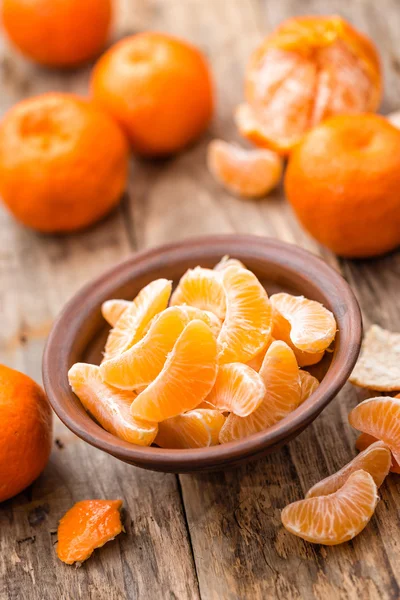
(79, 335)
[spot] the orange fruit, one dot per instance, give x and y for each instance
(112, 310)
(109, 406)
(312, 326)
(88, 525)
(361, 153)
(201, 288)
(335, 518)
(194, 429)
(375, 460)
(139, 366)
(365, 440)
(247, 325)
(63, 162)
(186, 379)
(58, 33)
(131, 326)
(280, 375)
(238, 389)
(142, 80)
(379, 417)
(308, 385)
(246, 173)
(25, 433)
(307, 70)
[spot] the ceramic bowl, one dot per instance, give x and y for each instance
(79, 334)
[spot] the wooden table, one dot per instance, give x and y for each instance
(211, 536)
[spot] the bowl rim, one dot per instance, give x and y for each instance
(308, 266)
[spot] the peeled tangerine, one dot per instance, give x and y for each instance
(109, 406)
(337, 517)
(139, 366)
(186, 379)
(132, 323)
(88, 525)
(246, 173)
(280, 375)
(247, 326)
(194, 429)
(308, 69)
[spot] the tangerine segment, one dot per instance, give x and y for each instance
(247, 325)
(335, 518)
(109, 406)
(112, 310)
(312, 326)
(194, 429)
(247, 173)
(238, 389)
(375, 460)
(202, 289)
(308, 384)
(280, 374)
(187, 377)
(281, 331)
(88, 525)
(139, 366)
(227, 261)
(380, 417)
(365, 440)
(132, 324)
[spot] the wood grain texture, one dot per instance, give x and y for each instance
(240, 549)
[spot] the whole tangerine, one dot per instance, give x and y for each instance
(308, 69)
(25, 432)
(63, 162)
(343, 182)
(159, 90)
(58, 33)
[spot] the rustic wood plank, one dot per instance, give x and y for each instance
(37, 275)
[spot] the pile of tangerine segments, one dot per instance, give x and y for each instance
(215, 361)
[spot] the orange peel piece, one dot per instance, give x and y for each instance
(88, 525)
(378, 367)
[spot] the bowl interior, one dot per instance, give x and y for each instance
(80, 332)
